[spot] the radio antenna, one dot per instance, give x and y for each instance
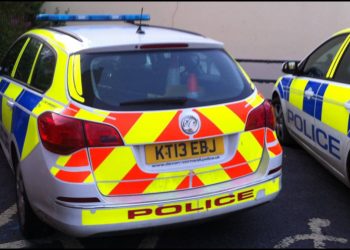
(139, 29)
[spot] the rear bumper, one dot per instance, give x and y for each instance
(87, 220)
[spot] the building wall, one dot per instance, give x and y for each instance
(252, 30)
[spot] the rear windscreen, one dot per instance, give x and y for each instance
(164, 79)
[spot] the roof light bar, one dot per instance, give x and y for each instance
(93, 17)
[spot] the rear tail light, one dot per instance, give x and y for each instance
(64, 135)
(260, 117)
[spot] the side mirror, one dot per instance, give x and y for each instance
(290, 67)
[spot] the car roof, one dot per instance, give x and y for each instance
(74, 38)
(343, 31)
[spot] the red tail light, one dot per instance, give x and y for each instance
(65, 135)
(101, 135)
(260, 117)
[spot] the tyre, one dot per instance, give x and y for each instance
(281, 130)
(30, 225)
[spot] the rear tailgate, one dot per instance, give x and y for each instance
(132, 169)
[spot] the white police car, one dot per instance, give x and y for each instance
(118, 127)
(312, 104)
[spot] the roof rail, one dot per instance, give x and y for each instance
(75, 36)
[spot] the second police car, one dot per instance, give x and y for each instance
(117, 127)
(312, 104)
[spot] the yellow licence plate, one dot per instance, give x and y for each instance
(158, 153)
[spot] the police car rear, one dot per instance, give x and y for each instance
(162, 126)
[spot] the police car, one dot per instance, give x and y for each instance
(118, 127)
(312, 104)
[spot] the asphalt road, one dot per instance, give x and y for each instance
(312, 211)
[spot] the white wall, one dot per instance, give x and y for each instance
(253, 30)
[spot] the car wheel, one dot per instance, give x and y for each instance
(281, 130)
(30, 225)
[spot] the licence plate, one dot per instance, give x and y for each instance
(158, 153)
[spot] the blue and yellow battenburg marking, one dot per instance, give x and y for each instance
(28, 106)
(320, 105)
(283, 87)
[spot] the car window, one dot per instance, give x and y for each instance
(161, 79)
(44, 69)
(342, 73)
(27, 60)
(318, 63)
(9, 60)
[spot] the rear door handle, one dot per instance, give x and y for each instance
(309, 93)
(10, 103)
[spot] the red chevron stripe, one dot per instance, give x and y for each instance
(241, 109)
(259, 135)
(78, 159)
(185, 184)
(236, 159)
(238, 171)
(270, 137)
(75, 177)
(208, 128)
(123, 121)
(136, 173)
(134, 187)
(98, 155)
(277, 149)
(172, 132)
(196, 182)
(71, 110)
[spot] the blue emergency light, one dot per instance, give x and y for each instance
(93, 17)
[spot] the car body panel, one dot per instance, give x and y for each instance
(120, 177)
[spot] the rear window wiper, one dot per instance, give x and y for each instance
(168, 100)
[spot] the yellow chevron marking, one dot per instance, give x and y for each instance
(116, 166)
(271, 154)
(255, 100)
(249, 148)
(148, 127)
(165, 184)
(54, 171)
(122, 215)
(106, 188)
(89, 179)
(62, 160)
(31, 138)
(296, 92)
(254, 165)
(13, 91)
(213, 176)
(86, 115)
(226, 120)
(334, 114)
